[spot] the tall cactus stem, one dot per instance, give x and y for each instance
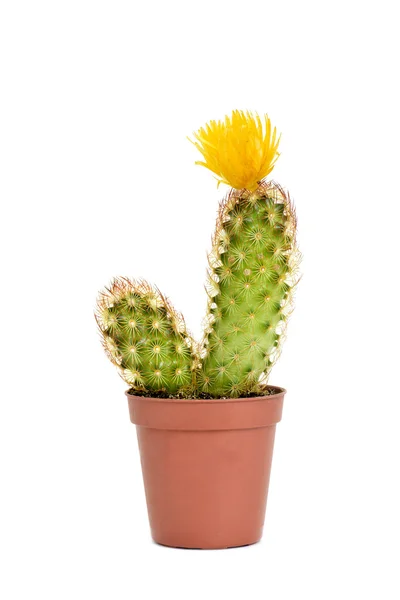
(253, 270)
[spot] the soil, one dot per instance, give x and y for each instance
(266, 391)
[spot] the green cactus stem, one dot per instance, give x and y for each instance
(252, 273)
(146, 338)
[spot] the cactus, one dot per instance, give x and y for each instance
(250, 281)
(251, 277)
(145, 338)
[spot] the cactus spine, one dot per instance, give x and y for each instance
(145, 338)
(251, 277)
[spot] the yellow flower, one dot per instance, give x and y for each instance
(241, 150)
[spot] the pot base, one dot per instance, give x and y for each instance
(207, 547)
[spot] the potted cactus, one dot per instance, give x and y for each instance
(204, 414)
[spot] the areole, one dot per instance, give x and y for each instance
(206, 467)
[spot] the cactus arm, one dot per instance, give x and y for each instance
(146, 338)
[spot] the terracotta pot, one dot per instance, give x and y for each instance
(206, 467)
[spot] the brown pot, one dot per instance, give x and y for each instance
(206, 467)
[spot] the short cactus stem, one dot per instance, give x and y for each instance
(145, 338)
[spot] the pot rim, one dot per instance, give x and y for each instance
(200, 414)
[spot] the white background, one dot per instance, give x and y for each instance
(97, 180)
